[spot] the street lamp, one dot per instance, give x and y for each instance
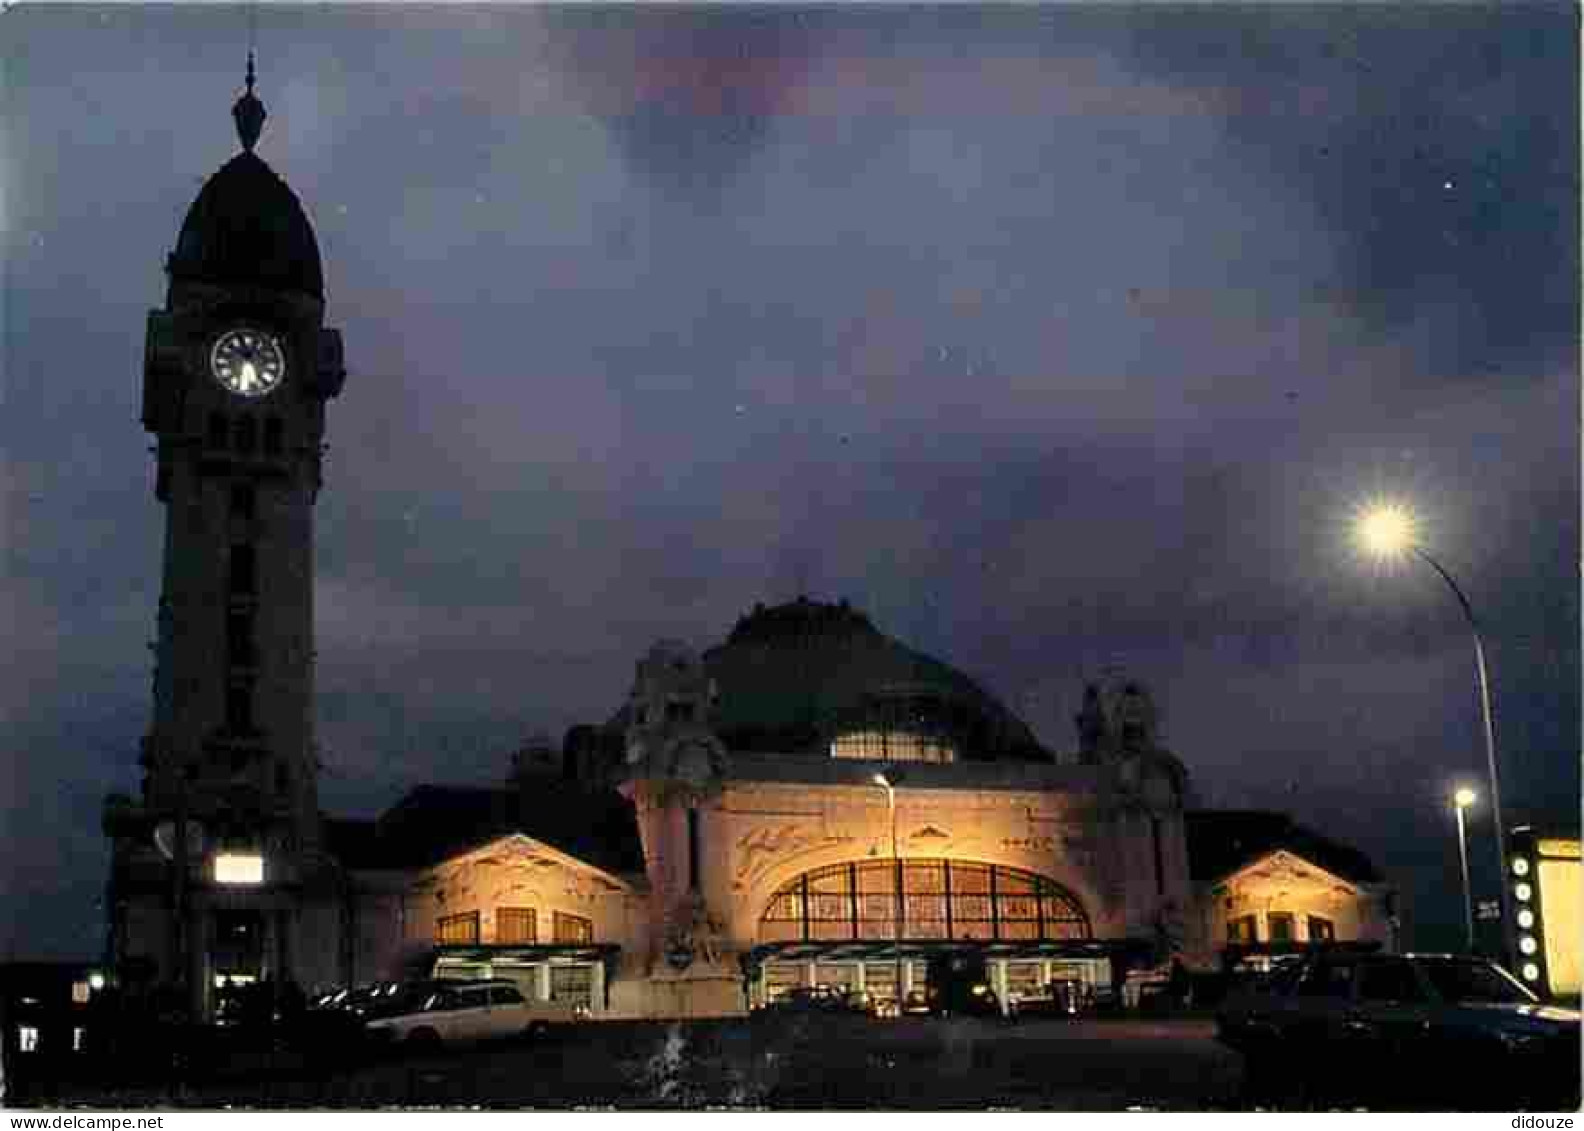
(1461, 800)
(1389, 530)
(896, 880)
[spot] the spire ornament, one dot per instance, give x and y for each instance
(248, 112)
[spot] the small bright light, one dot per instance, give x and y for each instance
(1528, 945)
(880, 779)
(1520, 866)
(1386, 530)
(1464, 797)
(1525, 918)
(239, 868)
(96, 981)
(1523, 892)
(1531, 972)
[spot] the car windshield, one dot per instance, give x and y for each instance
(1462, 982)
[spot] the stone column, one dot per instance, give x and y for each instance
(907, 982)
(597, 987)
(542, 981)
(998, 981)
(809, 974)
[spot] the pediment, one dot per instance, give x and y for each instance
(524, 853)
(1283, 864)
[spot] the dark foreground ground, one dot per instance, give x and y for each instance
(800, 1061)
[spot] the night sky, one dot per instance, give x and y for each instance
(1053, 337)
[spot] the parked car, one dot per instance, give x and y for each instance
(456, 1012)
(1444, 1030)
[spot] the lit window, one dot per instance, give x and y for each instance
(1281, 926)
(79, 1038)
(1241, 930)
(940, 899)
(1321, 930)
(239, 868)
(516, 925)
(573, 929)
(458, 929)
(27, 1038)
(80, 991)
(892, 746)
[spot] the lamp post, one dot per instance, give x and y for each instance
(896, 879)
(1388, 530)
(1461, 800)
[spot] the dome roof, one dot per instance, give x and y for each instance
(794, 676)
(248, 227)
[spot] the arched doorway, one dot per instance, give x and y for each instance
(839, 926)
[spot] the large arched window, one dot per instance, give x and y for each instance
(941, 899)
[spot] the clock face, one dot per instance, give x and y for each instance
(248, 362)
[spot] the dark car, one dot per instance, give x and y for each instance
(1435, 1030)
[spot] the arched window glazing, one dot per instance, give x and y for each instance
(941, 899)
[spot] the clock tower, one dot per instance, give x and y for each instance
(221, 851)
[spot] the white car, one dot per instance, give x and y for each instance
(459, 1012)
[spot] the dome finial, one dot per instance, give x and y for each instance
(248, 112)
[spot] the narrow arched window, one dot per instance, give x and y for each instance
(273, 432)
(219, 429)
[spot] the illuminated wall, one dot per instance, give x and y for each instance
(1284, 898)
(1545, 879)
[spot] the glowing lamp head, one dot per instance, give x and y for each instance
(1531, 972)
(1386, 530)
(1464, 797)
(96, 981)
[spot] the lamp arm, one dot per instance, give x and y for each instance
(1488, 719)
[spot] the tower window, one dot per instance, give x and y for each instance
(218, 430)
(246, 433)
(243, 500)
(272, 436)
(239, 639)
(679, 712)
(244, 578)
(239, 708)
(693, 846)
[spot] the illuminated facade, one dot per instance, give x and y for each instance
(1265, 886)
(808, 802)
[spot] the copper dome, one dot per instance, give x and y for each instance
(792, 677)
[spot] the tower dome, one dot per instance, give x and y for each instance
(247, 227)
